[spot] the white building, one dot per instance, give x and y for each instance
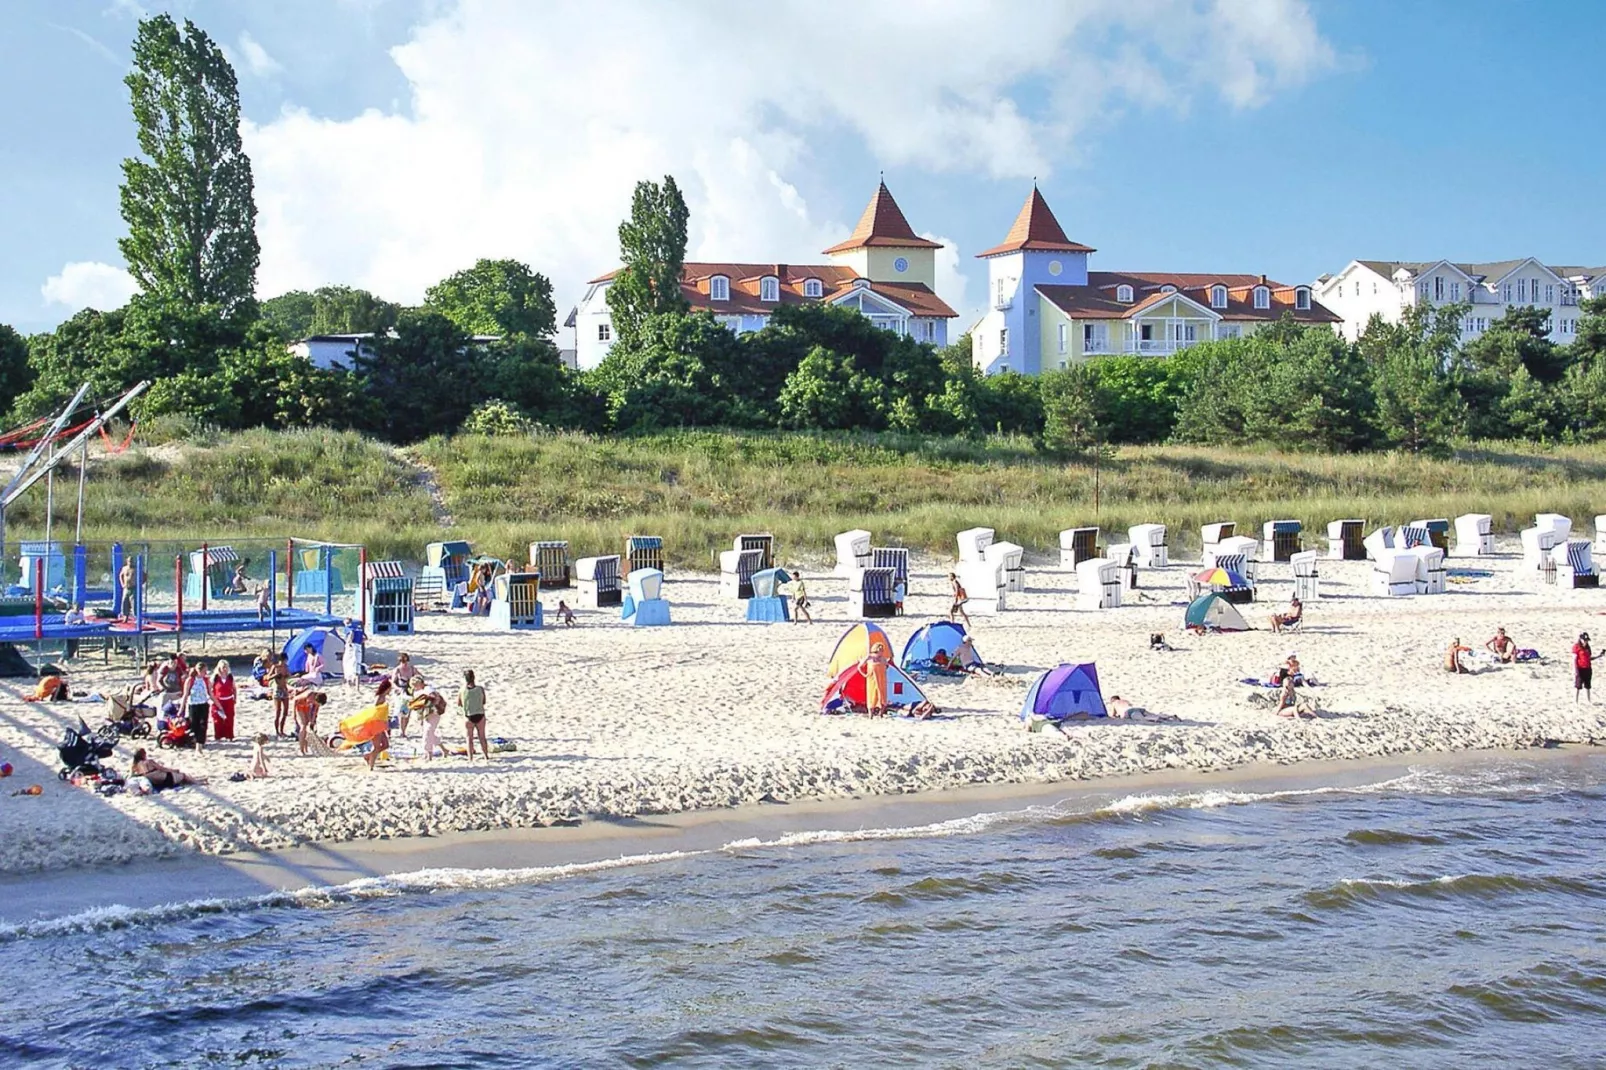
(884, 270)
(339, 351)
(1388, 287)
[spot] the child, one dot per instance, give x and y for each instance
(800, 599)
(307, 705)
(259, 757)
(262, 603)
(278, 680)
(565, 614)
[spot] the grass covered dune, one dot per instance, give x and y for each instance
(697, 489)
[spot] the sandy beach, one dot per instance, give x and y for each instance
(611, 721)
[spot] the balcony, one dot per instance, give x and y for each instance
(1157, 346)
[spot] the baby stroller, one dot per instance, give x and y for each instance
(81, 750)
(128, 717)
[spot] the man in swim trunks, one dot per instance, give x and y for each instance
(960, 598)
(1502, 647)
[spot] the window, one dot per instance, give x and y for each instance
(769, 288)
(1358, 287)
(1262, 297)
(1438, 287)
(1065, 338)
(1218, 295)
(1146, 332)
(1230, 330)
(812, 288)
(1003, 341)
(719, 288)
(1455, 291)
(1422, 290)
(1505, 293)
(1168, 289)
(1302, 298)
(604, 332)
(1550, 293)
(1001, 298)
(1123, 294)
(1522, 289)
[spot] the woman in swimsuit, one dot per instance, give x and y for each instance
(472, 699)
(960, 598)
(160, 776)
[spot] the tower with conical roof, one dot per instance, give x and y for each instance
(885, 248)
(1035, 252)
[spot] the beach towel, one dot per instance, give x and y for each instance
(1527, 654)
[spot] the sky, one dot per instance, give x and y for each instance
(394, 142)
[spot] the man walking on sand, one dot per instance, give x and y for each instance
(1583, 668)
(960, 598)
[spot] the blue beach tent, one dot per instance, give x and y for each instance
(1065, 691)
(940, 635)
(321, 638)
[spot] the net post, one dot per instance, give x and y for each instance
(206, 573)
(289, 573)
(362, 587)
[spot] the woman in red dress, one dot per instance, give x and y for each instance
(224, 693)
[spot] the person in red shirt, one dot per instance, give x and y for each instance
(1583, 667)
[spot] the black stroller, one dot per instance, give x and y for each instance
(81, 750)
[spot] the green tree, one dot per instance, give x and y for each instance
(528, 374)
(1070, 409)
(827, 392)
(16, 374)
(652, 245)
(328, 310)
(496, 297)
(188, 199)
(1419, 404)
(424, 381)
(680, 371)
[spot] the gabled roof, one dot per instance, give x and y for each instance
(1572, 271)
(1488, 273)
(835, 280)
(1097, 300)
(883, 224)
(1035, 228)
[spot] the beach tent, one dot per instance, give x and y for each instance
(322, 639)
(854, 646)
(847, 690)
(941, 635)
(1065, 691)
(1214, 613)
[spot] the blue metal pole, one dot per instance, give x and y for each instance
(80, 558)
(117, 579)
(328, 581)
(273, 598)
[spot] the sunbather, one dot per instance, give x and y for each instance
(160, 776)
(1502, 647)
(1453, 661)
(1296, 613)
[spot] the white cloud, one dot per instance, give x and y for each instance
(530, 124)
(256, 58)
(89, 284)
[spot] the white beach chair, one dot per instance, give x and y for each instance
(736, 568)
(1575, 565)
(1098, 584)
(1472, 535)
(1344, 540)
(1210, 537)
(1281, 539)
(1306, 587)
(973, 543)
(1558, 525)
(1148, 542)
(1394, 573)
(598, 581)
(1537, 543)
(1600, 533)
(1124, 554)
(1431, 573)
(1008, 557)
(852, 552)
(1378, 542)
(1078, 545)
(984, 585)
(1438, 529)
(1241, 546)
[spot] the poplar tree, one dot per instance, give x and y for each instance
(187, 197)
(652, 244)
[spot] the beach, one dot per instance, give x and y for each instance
(615, 722)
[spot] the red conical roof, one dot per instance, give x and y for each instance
(1036, 228)
(883, 224)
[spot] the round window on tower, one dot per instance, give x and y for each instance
(1055, 267)
(900, 265)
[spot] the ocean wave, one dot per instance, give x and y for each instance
(1356, 891)
(958, 826)
(435, 879)
(1210, 799)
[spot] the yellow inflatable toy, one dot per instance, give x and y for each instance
(364, 725)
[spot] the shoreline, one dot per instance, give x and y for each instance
(102, 894)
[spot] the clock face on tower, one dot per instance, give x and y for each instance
(1054, 267)
(900, 265)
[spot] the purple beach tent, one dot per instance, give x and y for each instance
(1065, 691)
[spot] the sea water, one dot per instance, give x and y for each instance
(1444, 918)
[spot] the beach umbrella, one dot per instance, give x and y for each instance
(1221, 577)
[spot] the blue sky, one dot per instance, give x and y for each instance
(395, 142)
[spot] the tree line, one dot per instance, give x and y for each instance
(479, 352)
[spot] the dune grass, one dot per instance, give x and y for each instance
(698, 489)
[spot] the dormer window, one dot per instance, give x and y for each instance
(1218, 297)
(1168, 289)
(719, 288)
(1302, 298)
(1123, 294)
(812, 288)
(1262, 297)
(769, 288)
